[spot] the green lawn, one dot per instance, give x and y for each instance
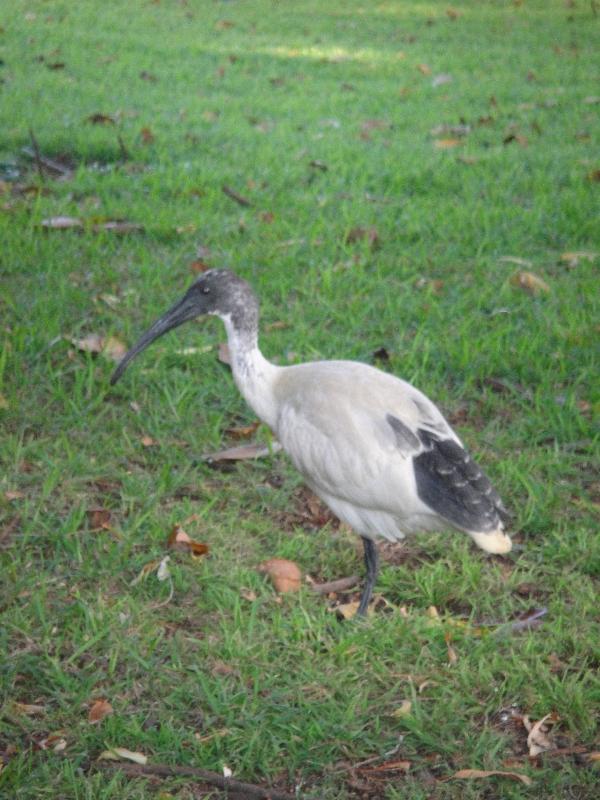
(463, 142)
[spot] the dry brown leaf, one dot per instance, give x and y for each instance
(224, 24)
(98, 519)
(488, 773)
(530, 282)
(113, 349)
(348, 610)
(148, 441)
(146, 135)
(14, 495)
(30, 709)
(424, 69)
(537, 740)
(285, 575)
(99, 710)
(367, 234)
(122, 754)
(387, 766)
(243, 431)
(403, 709)
(572, 259)
(100, 119)
(447, 144)
(452, 656)
(249, 595)
(180, 540)
(92, 343)
(145, 571)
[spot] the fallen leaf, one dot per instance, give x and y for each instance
(113, 348)
(537, 740)
(99, 710)
(453, 130)
(424, 69)
(249, 595)
(403, 709)
(485, 773)
(347, 610)
(594, 175)
(521, 262)
(61, 223)
(452, 14)
(243, 431)
(285, 575)
(148, 441)
(98, 519)
(224, 24)
(14, 495)
(367, 234)
(147, 136)
(452, 656)
(30, 709)
(441, 79)
(446, 144)
(572, 259)
(591, 100)
(100, 119)
(267, 217)
(122, 754)
(530, 282)
(163, 573)
(92, 343)
(180, 540)
(244, 452)
(387, 766)
(145, 571)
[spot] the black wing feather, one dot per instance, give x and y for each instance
(451, 483)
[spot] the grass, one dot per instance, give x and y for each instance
(248, 95)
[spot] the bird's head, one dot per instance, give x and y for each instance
(218, 292)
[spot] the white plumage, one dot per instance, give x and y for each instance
(376, 450)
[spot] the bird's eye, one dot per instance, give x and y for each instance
(205, 290)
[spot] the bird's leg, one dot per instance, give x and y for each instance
(372, 565)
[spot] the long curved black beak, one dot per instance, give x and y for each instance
(185, 309)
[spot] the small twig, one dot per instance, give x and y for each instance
(340, 585)
(250, 790)
(125, 155)
(36, 154)
(243, 201)
(48, 163)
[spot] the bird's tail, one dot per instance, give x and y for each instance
(493, 541)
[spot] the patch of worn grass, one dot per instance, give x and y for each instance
(248, 95)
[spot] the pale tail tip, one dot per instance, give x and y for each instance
(496, 542)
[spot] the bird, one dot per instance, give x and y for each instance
(373, 447)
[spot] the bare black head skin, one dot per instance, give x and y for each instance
(218, 292)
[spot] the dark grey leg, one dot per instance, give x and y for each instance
(372, 565)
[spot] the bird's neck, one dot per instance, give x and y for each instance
(254, 375)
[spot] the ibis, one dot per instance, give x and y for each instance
(374, 448)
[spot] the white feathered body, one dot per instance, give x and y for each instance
(333, 420)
